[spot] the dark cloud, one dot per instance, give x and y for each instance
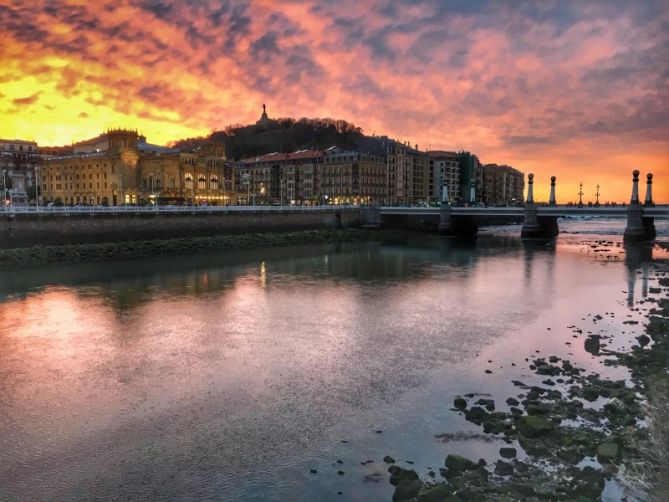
(265, 48)
(525, 140)
(28, 100)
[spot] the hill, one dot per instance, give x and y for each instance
(283, 135)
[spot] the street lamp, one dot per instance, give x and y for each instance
(580, 194)
(4, 187)
(597, 197)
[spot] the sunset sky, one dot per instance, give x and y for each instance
(579, 89)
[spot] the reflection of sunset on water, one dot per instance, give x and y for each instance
(297, 350)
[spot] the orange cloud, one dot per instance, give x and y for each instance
(551, 87)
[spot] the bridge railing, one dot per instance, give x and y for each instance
(165, 209)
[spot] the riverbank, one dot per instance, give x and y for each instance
(78, 253)
(570, 432)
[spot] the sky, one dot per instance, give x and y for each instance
(575, 89)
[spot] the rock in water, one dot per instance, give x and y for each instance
(503, 468)
(460, 403)
(457, 463)
(532, 426)
(592, 345)
(608, 452)
(399, 475)
(437, 493)
(507, 452)
(407, 490)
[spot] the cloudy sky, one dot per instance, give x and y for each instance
(579, 89)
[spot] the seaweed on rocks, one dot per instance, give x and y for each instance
(577, 434)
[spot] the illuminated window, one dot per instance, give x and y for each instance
(188, 178)
(213, 182)
(201, 182)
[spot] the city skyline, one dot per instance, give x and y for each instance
(575, 91)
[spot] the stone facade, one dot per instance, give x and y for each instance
(407, 175)
(312, 177)
(499, 185)
(29, 229)
(106, 178)
(352, 177)
(131, 171)
(444, 171)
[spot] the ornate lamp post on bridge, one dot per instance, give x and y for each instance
(649, 190)
(580, 194)
(597, 197)
(551, 199)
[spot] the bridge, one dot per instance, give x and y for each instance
(539, 221)
(56, 225)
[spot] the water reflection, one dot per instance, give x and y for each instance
(230, 375)
(637, 259)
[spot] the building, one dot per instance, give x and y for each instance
(279, 178)
(19, 163)
(407, 174)
(444, 171)
(100, 178)
(120, 167)
(499, 185)
(309, 177)
(350, 177)
(469, 166)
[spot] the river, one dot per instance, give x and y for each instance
(232, 375)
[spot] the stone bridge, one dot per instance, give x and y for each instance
(539, 221)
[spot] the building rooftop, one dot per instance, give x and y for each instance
(18, 141)
(441, 153)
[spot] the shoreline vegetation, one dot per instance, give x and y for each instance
(92, 252)
(575, 429)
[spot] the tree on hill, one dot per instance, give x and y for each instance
(281, 135)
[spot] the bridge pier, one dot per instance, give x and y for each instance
(538, 227)
(370, 217)
(639, 228)
(534, 226)
(445, 220)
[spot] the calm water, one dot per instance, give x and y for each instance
(230, 376)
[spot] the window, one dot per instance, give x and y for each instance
(213, 182)
(172, 183)
(188, 178)
(201, 182)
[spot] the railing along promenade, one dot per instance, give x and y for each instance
(165, 209)
(539, 221)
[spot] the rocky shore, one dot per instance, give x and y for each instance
(568, 435)
(39, 255)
